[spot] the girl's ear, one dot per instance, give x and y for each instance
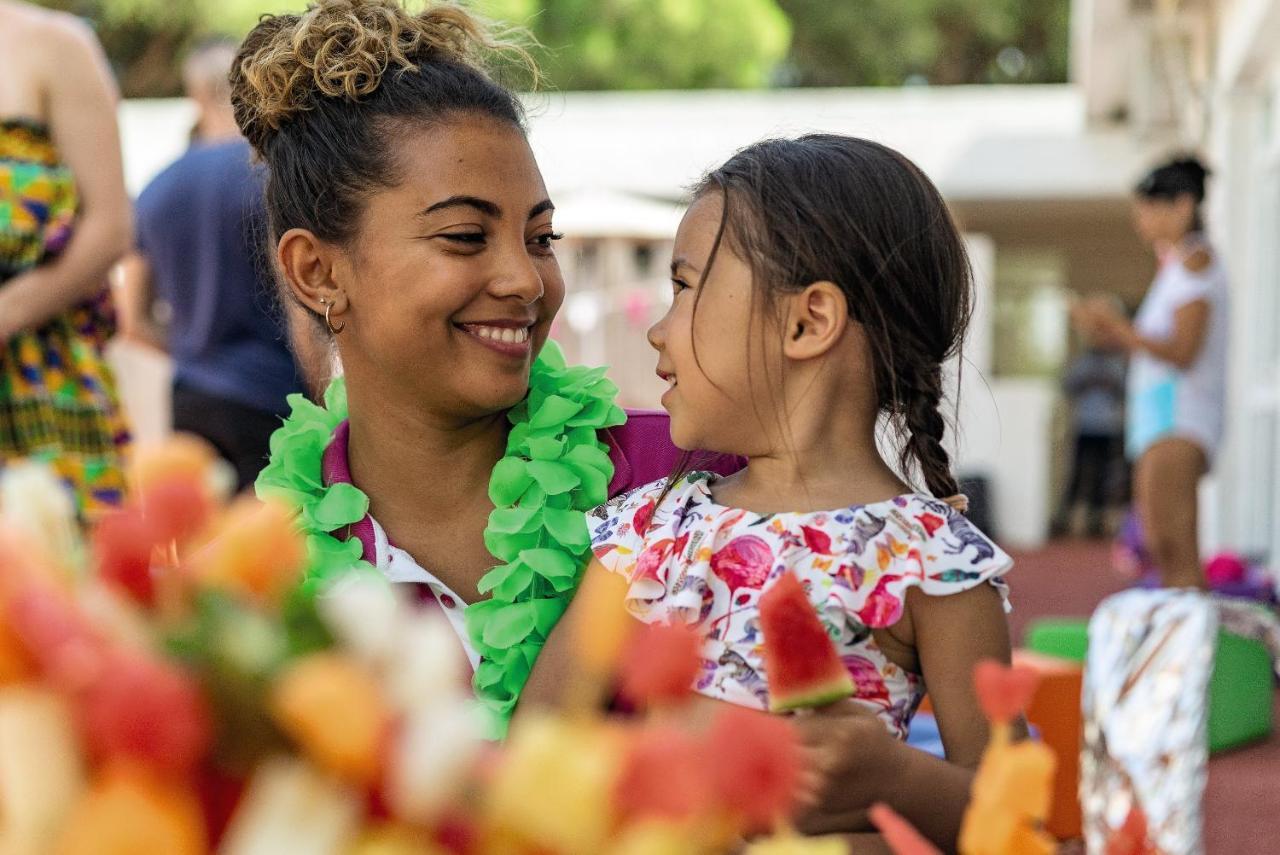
(816, 320)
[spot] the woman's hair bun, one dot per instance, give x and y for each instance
(344, 49)
(1185, 174)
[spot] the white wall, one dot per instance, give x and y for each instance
(1004, 425)
(1240, 509)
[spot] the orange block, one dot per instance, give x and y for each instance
(1055, 712)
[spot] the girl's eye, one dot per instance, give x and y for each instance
(542, 243)
(678, 285)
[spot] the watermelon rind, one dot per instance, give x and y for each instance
(827, 692)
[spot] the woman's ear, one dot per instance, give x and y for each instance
(816, 320)
(308, 267)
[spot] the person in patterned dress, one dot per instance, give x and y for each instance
(64, 221)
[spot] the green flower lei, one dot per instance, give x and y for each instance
(555, 469)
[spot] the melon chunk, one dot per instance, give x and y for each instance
(802, 665)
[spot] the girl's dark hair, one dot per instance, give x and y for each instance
(1181, 176)
(323, 95)
(862, 216)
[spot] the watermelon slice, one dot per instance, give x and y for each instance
(802, 665)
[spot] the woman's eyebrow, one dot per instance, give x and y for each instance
(484, 206)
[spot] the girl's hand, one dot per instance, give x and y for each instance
(858, 762)
(852, 761)
(1108, 326)
(1082, 318)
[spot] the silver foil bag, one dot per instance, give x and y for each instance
(1146, 710)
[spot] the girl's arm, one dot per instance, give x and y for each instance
(1190, 324)
(952, 634)
(82, 105)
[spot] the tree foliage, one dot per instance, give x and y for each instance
(652, 44)
(668, 44)
(891, 42)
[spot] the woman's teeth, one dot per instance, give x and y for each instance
(506, 335)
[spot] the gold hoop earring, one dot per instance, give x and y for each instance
(328, 307)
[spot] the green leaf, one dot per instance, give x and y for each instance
(562, 502)
(341, 504)
(533, 499)
(476, 617)
(589, 456)
(593, 414)
(507, 547)
(335, 398)
(509, 625)
(551, 357)
(489, 674)
(547, 613)
(582, 436)
(509, 480)
(506, 581)
(617, 416)
(519, 437)
(545, 447)
(555, 565)
(304, 628)
(569, 528)
(594, 490)
(554, 478)
(509, 520)
(516, 667)
(553, 412)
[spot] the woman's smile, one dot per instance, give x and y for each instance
(511, 338)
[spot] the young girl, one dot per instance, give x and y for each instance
(819, 285)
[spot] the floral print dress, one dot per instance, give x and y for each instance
(692, 560)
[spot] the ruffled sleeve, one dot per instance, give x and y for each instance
(913, 542)
(619, 529)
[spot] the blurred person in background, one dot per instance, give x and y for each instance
(198, 286)
(1094, 384)
(1178, 362)
(64, 221)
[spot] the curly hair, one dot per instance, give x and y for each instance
(344, 49)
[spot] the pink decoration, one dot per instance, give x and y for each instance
(637, 306)
(1225, 568)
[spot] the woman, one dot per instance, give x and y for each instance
(1177, 377)
(64, 220)
(412, 225)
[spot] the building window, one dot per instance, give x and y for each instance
(1032, 322)
(642, 260)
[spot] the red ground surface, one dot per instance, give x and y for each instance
(1242, 806)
